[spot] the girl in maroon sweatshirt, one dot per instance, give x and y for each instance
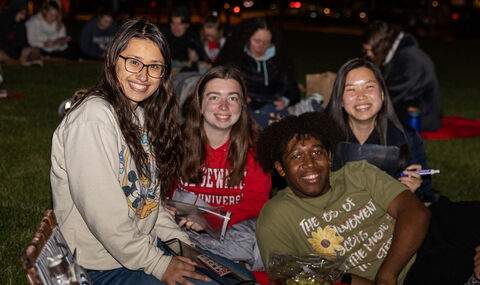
(219, 164)
(220, 136)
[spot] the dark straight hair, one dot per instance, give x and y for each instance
(243, 134)
(160, 109)
(386, 113)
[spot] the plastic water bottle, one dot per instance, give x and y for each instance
(415, 119)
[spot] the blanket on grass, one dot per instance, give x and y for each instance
(454, 127)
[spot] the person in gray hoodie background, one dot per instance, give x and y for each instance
(257, 48)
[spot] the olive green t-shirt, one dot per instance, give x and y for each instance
(351, 219)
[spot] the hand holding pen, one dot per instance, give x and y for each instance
(411, 178)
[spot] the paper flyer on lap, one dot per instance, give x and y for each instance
(213, 219)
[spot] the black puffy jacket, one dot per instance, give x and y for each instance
(268, 80)
(411, 81)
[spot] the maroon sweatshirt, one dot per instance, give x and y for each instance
(244, 200)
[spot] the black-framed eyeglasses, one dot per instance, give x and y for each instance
(134, 65)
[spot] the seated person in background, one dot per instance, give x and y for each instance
(114, 157)
(212, 38)
(408, 71)
(219, 164)
(96, 34)
(357, 212)
(46, 31)
(258, 50)
(361, 107)
(187, 50)
(13, 36)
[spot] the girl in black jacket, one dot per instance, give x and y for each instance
(257, 49)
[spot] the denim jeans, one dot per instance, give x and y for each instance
(123, 275)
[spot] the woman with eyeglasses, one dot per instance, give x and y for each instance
(114, 156)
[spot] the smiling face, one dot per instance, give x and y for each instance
(306, 167)
(221, 105)
(138, 86)
(260, 41)
(362, 98)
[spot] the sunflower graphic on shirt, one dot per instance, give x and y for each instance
(326, 241)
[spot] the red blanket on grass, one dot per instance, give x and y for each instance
(454, 127)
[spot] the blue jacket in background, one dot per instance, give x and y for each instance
(94, 41)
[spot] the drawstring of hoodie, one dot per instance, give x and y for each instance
(393, 49)
(265, 71)
(262, 62)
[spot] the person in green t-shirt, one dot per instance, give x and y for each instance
(358, 212)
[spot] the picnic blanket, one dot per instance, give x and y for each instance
(454, 127)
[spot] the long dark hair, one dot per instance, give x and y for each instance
(381, 36)
(384, 116)
(242, 136)
(160, 109)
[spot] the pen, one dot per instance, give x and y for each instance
(424, 172)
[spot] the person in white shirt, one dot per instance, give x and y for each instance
(45, 30)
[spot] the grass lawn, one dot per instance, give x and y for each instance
(26, 127)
